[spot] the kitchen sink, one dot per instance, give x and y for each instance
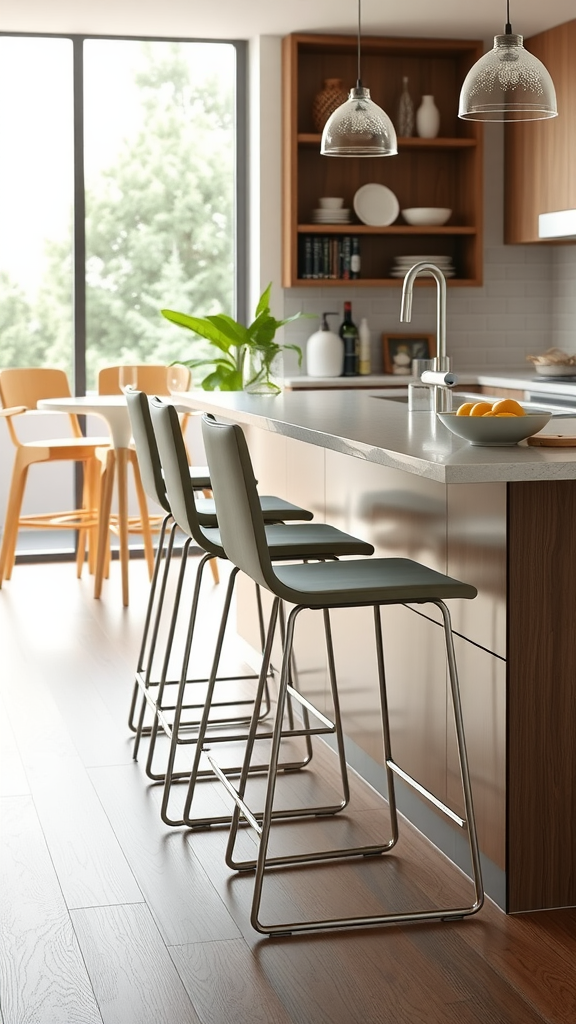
(459, 397)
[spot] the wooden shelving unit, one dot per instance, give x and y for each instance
(445, 171)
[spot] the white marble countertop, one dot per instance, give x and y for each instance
(366, 426)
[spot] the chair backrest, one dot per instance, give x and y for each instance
(27, 385)
(237, 504)
(146, 448)
(176, 471)
(152, 380)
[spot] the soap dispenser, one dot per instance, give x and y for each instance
(325, 352)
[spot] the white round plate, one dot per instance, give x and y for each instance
(376, 205)
(441, 261)
(491, 431)
(397, 272)
(556, 369)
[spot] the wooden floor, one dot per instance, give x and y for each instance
(109, 916)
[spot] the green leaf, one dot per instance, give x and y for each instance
(264, 300)
(202, 326)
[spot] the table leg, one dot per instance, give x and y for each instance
(144, 516)
(122, 477)
(106, 486)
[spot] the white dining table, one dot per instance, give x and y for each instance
(112, 409)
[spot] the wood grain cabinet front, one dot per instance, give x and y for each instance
(540, 156)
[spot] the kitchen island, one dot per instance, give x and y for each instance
(499, 518)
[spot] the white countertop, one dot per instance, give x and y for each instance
(521, 378)
(366, 426)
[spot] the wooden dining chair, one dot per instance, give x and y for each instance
(20, 391)
(151, 379)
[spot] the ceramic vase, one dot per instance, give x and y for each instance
(327, 101)
(428, 118)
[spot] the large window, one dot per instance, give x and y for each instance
(121, 159)
(36, 199)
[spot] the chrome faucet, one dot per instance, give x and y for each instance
(442, 361)
(442, 396)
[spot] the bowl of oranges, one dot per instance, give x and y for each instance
(494, 423)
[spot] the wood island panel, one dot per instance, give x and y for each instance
(541, 695)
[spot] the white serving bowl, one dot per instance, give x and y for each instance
(426, 215)
(556, 369)
(493, 430)
(330, 203)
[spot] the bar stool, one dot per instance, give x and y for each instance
(322, 586)
(273, 509)
(286, 542)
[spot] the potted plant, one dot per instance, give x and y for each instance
(245, 354)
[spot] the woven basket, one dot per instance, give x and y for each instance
(327, 100)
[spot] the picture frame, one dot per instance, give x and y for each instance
(398, 351)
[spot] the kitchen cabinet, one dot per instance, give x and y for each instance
(445, 171)
(540, 156)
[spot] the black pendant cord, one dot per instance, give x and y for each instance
(508, 29)
(359, 78)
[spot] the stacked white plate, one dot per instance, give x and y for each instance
(331, 216)
(402, 264)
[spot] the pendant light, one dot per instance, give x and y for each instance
(359, 127)
(508, 84)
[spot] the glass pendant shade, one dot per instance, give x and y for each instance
(359, 128)
(508, 84)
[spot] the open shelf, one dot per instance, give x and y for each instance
(445, 171)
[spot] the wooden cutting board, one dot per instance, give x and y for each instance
(553, 441)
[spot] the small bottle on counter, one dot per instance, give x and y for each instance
(364, 366)
(349, 334)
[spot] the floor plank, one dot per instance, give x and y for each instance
(13, 781)
(227, 985)
(173, 881)
(134, 978)
(42, 975)
(89, 862)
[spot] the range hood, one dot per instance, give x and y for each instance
(561, 224)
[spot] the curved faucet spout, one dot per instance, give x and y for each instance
(442, 362)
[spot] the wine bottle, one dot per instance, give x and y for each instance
(364, 346)
(349, 334)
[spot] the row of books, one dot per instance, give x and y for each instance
(326, 256)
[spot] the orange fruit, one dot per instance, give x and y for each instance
(464, 409)
(489, 413)
(506, 415)
(509, 405)
(480, 408)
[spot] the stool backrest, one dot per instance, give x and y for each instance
(176, 472)
(237, 504)
(146, 448)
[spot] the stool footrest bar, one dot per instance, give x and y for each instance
(311, 708)
(235, 796)
(426, 793)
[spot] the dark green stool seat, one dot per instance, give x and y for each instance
(351, 583)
